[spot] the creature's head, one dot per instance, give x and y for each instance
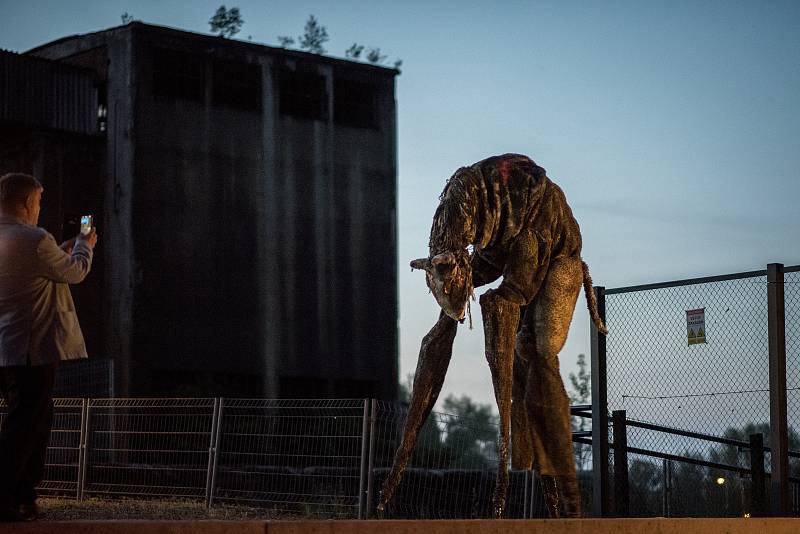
(449, 277)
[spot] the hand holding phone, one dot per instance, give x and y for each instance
(88, 233)
(86, 224)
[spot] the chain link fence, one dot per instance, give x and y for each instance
(791, 279)
(656, 376)
(692, 406)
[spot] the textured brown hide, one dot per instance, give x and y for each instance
(522, 229)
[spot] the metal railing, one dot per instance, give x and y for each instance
(711, 476)
(744, 379)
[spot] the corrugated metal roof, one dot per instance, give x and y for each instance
(47, 94)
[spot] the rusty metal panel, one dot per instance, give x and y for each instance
(47, 94)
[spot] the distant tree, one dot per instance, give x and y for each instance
(645, 487)
(126, 17)
(398, 63)
(314, 36)
(285, 41)
(354, 52)
(464, 436)
(581, 394)
(226, 22)
(471, 438)
(374, 56)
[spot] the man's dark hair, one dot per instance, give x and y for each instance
(15, 188)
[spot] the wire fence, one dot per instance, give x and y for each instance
(690, 411)
(323, 458)
(792, 304)
(694, 403)
(656, 376)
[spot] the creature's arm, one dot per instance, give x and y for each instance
(483, 271)
(525, 267)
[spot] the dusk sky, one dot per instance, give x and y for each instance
(673, 127)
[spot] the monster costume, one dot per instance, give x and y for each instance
(521, 228)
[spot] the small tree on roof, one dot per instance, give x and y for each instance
(314, 36)
(226, 22)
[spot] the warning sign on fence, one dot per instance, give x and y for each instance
(696, 326)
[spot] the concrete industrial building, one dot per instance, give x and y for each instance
(246, 202)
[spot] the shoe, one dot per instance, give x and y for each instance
(28, 512)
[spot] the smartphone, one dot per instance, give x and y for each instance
(86, 224)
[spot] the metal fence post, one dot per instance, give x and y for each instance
(85, 448)
(82, 448)
(371, 461)
(211, 481)
(779, 435)
(212, 452)
(362, 476)
(758, 495)
(600, 483)
(621, 497)
(667, 488)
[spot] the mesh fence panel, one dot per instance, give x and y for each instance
(295, 456)
(452, 472)
(149, 447)
(720, 387)
(656, 376)
(63, 450)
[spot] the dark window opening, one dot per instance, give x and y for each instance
(236, 85)
(355, 104)
(178, 75)
(303, 95)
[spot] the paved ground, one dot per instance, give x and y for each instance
(531, 526)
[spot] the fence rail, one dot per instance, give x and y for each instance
(742, 380)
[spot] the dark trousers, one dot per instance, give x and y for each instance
(25, 432)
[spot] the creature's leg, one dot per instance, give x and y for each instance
(521, 447)
(500, 321)
(547, 400)
(434, 357)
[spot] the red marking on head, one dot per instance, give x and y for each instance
(505, 169)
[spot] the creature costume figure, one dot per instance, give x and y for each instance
(522, 229)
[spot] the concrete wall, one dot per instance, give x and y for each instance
(251, 252)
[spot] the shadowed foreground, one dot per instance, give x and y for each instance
(510, 526)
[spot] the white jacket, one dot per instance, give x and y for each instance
(38, 323)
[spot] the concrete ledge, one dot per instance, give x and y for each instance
(536, 526)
